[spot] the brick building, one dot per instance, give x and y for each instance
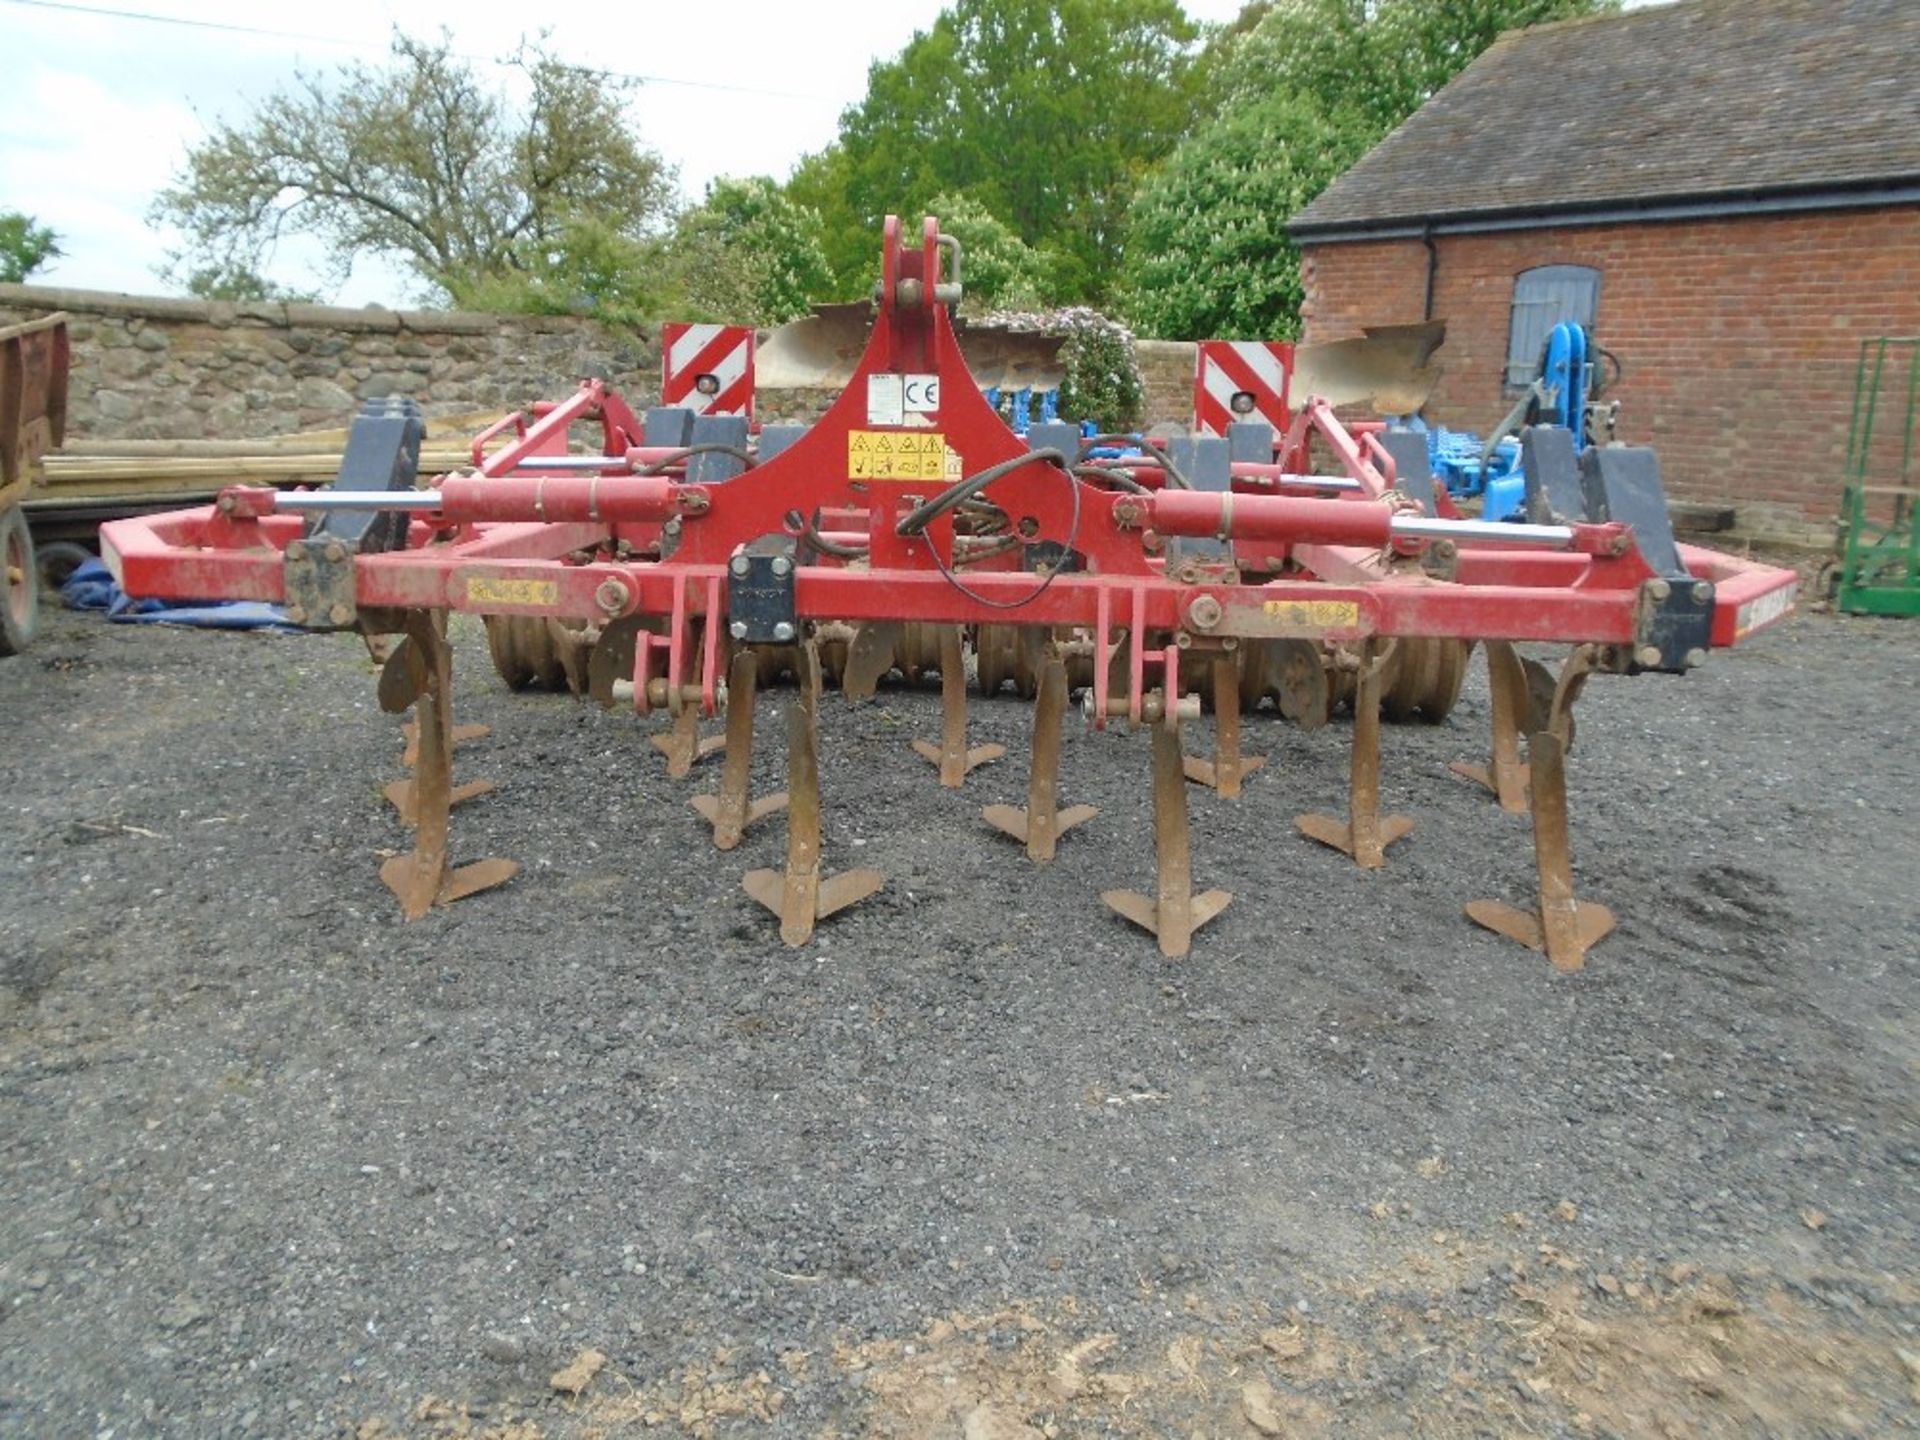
(1727, 191)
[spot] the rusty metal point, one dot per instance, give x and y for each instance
(1173, 912)
(423, 878)
(682, 744)
(1505, 773)
(1365, 834)
(1560, 926)
(1228, 767)
(733, 809)
(952, 755)
(1040, 826)
(800, 895)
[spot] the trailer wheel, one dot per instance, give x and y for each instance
(20, 599)
(59, 560)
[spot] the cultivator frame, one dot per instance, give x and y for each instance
(911, 510)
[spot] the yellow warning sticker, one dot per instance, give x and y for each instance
(899, 455)
(1314, 614)
(482, 591)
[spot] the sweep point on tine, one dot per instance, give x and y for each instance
(1223, 773)
(401, 795)
(1365, 834)
(952, 755)
(1560, 926)
(1505, 773)
(410, 756)
(1173, 912)
(733, 809)
(800, 894)
(420, 671)
(683, 746)
(1043, 822)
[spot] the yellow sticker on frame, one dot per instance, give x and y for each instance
(1314, 614)
(483, 591)
(896, 455)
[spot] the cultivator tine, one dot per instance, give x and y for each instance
(951, 754)
(419, 672)
(869, 657)
(682, 744)
(799, 895)
(1366, 833)
(1042, 823)
(732, 810)
(1563, 927)
(1224, 772)
(461, 735)
(1505, 773)
(400, 683)
(1174, 912)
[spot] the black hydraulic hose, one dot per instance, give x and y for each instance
(1118, 479)
(1144, 442)
(678, 457)
(916, 520)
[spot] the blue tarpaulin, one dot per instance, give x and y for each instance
(92, 587)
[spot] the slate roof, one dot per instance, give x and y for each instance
(1704, 100)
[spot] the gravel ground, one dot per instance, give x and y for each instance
(596, 1155)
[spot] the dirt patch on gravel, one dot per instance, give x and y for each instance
(274, 1163)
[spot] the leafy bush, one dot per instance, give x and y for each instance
(1208, 256)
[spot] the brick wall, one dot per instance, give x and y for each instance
(1166, 373)
(146, 367)
(1739, 337)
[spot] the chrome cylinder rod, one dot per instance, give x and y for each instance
(415, 500)
(605, 464)
(1498, 532)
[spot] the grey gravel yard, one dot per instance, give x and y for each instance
(595, 1155)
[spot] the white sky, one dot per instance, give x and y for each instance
(98, 111)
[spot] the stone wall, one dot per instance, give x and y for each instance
(151, 368)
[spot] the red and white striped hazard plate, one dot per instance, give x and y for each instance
(1241, 380)
(707, 368)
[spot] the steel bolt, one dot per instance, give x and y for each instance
(340, 613)
(782, 567)
(783, 631)
(738, 629)
(1695, 657)
(1702, 592)
(1205, 612)
(611, 596)
(739, 566)
(1647, 656)
(1659, 589)
(335, 552)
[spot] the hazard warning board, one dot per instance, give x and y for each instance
(900, 455)
(707, 369)
(1241, 380)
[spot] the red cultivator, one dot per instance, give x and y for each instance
(680, 574)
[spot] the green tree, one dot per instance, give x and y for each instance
(1047, 112)
(422, 162)
(1303, 92)
(1377, 59)
(749, 254)
(237, 282)
(1208, 255)
(24, 247)
(587, 268)
(997, 268)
